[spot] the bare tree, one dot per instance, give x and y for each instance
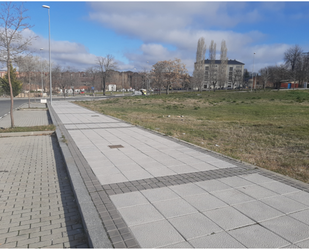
(292, 57)
(213, 67)
(278, 74)
(169, 73)
(57, 78)
(28, 66)
(105, 65)
(157, 74)
(238, 77)
(302, 68)
(93, 74)
(222, 77)
(265, 75)
(198, 72)
(12, 41)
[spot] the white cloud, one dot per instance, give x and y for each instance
(178, 24)
(64, 53)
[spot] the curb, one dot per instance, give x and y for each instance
(24, 134)
(97, 236)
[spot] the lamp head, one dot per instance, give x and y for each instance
(46, 6)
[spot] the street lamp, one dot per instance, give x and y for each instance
(252, 73)
(148, 79)
(50, 78)
(41, 71)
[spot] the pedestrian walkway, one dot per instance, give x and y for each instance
(37, 115)
(157, 191)
(37, 204)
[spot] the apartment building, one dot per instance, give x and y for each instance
(233, 74)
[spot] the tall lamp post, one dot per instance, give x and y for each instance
(252, 73)
(50, 78)
(41, 71)
(148, 79)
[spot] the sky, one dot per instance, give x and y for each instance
(139, 34)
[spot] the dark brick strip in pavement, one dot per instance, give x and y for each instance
(164, 181)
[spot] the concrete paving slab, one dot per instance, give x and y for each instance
(228, 218)
(256, 236)
(257, 192)
(218, 240)
(159, 194)
(182, 169)
(161, 171)
(284, 204)
(235, 181)
(289, 228)
(300, 196)
(213, 185)
(279, 187)
(140, 214)
(174, 207)
(203, 166)
(180, 245)
(258, 211)
(194, 225)
(204, 202)
(302, 216)
(187, 189)
(233, 196)
(303, 244)
(156, 234)
(132, 175)
(256, 178)
(112, 178)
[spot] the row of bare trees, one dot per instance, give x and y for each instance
(295, 69)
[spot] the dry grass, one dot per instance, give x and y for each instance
(29, 129)
(267, 129)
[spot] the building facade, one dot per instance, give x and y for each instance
(225, 75)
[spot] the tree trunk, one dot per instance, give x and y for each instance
(11, 93)
(104, 86)
(29, 90)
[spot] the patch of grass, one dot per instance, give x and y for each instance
(272, 131)
(29, 129)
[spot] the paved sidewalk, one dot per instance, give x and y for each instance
(37, 204)
(154, 191)
(23, 117)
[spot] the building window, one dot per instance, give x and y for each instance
(231, 69)
(206, 68)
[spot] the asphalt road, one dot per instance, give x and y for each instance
(5, 105)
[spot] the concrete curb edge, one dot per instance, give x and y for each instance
(97, 236)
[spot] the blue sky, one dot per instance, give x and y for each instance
(140, 32)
